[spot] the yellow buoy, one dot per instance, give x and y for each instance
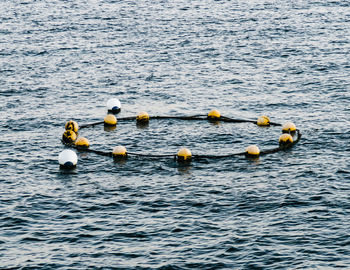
(184, 154)
(252, 151)
(285, 139)
(110, 120)
(288, 128)
(72, 125)
(214, 115)
(82, 142)
(263, 121)
(119, 152)
(69, 136)
(142, 117)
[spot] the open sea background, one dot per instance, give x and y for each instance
(62, 60)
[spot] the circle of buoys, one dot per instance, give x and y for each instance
(290, 136)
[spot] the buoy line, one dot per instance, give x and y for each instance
(68, 159)
(110, 120)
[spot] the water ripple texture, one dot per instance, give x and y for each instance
(62, 60)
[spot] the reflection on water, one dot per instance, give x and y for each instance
(142, 125)
(184, 168)
(109, 128)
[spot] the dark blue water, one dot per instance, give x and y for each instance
(62, 60)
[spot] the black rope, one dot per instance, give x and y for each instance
(217, 156)
(91, 124)
(101, 153)
(151, 155)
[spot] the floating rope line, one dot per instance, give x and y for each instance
(291, 136)
(281, 147)
(193, 118)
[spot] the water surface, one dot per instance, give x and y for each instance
(63, 60)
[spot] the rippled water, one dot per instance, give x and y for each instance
(63, 60)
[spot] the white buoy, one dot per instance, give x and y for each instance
(68, 159)
(113, 105)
